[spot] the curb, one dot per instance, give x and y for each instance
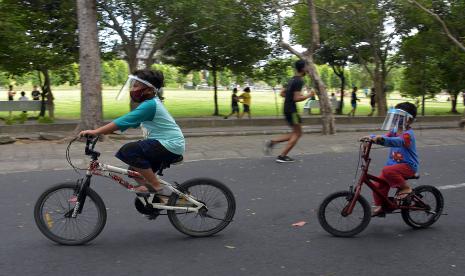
(272, 132)
(215, 122)
(235, 132)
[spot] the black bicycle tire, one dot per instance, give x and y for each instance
(172, 215)
(439, 208)
(335, 232)
(41, 224)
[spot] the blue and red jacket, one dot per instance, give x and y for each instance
(403, 149)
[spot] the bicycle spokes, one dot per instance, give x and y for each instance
(56, 212)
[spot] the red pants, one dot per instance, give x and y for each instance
(395, 176)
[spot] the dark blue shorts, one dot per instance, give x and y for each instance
(145, 154)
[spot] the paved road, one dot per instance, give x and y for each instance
(261, 241)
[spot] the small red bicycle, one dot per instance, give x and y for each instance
(347, 213)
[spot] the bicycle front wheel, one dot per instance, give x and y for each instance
(218, 212)
(332, 219)
(53, 210)
(428, 203)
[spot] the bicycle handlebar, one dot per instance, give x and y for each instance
(90, 145)
(366, 140)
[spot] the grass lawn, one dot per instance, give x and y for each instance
(191, 103)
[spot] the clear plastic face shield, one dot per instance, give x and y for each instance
(396, 119)
(134, 85)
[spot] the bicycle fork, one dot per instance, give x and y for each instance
(351, 201)
(80, 197)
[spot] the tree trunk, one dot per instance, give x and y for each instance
(423, 105)
(131, 58)
(453, 101)
(327, 116)
(89, 66)
(381, 101)
(340, 74)
(42, 95)
(341, 104)
(47, 90)
(462, 122)
(215, 95)
(339, 71)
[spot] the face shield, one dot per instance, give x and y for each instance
(135, 87)
(396, 119)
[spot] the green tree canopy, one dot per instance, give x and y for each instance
(38, 35)
(236, 42)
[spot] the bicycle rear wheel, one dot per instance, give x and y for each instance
(53, 209)
(334, 222)
(219, 210)
(430, 200)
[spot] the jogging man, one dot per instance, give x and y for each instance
(292, 94)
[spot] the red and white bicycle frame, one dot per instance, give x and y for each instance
(112, 172)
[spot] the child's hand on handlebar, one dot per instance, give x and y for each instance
(365, 139)
(377, 139)
(89, 132)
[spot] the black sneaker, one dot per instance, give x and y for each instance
(267, 147)
(284, 159)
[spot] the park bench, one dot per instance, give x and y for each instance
(315, 104)
(21, 105)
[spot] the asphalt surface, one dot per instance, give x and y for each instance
(260, 241)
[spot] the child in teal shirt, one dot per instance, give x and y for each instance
(163, 139)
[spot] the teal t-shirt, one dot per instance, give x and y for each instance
(156, 123)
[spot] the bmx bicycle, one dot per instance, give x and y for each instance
(347, 213)
(73, 213)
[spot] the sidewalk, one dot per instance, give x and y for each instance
(199, 125)
(34, 155)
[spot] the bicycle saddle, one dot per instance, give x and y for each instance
(166, 164)
(415, 176)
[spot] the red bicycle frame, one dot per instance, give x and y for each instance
(389, 204)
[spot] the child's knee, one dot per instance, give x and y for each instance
(388, 173)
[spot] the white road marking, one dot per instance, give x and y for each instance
(447, 187)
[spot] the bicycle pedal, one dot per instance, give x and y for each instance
(151, 217)
(379, 215)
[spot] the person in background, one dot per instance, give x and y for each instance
(292, 94)
(35, 93)
(234, 104)
(11, 93)
(245, 98)
(333, 101)
(353, 101)
(23, 98)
